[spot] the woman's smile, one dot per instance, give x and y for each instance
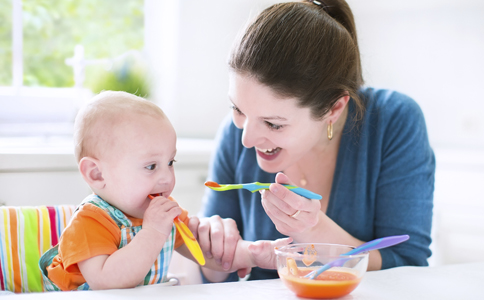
(268, 154)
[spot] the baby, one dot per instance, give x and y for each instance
(119, 238)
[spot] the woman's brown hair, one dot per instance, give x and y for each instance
(303, 50)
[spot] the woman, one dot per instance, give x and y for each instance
(301, 116)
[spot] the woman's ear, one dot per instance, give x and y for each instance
(338, 109)
(91, 172)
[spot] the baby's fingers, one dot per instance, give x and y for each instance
(281, 242)
(263, 252)
(162, 208)
(266, 247)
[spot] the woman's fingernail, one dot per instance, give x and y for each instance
(226, 266)
(275, 189)
(208, 254)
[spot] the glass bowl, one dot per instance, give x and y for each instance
(296, 260)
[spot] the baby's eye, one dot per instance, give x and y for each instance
(151, 167)
(274, 126)
(170, 164)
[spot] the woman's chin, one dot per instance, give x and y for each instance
(269, 167)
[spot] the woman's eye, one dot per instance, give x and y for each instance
(170, 164)
(236, 109)
(274, 126)
(151, 167)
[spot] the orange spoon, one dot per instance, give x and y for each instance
(188, 238)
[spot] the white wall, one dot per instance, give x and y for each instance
(188, 42)
(431, 50)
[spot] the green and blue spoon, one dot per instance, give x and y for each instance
(257, 186)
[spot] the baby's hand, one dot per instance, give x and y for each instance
(160, 214)
(262, 252)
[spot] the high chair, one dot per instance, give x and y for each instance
(26, 232)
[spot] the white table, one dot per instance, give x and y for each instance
(462, 281)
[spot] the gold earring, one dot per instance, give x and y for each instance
(330, 130)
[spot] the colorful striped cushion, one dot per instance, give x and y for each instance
(25, 234)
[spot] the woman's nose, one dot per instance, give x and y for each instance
(251, 137)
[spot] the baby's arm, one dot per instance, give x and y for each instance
(247, 255)
(257, 254)
(128, 266)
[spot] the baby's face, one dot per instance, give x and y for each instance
(138, 161)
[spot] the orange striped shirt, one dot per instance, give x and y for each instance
(90, 233)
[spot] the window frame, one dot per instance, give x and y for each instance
(37, 111)
(23, 107)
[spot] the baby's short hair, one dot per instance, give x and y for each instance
(108, 107)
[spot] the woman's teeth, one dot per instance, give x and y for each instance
(270, 151)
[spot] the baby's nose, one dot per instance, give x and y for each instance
(166, 177)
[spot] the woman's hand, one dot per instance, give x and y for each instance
(291, 214)
(217, 237)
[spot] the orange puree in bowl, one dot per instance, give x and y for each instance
(329, 284)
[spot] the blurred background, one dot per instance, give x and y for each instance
(55, 54)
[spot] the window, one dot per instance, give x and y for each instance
(53, 54)
(5, 42)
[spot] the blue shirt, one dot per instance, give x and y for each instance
(383, 182)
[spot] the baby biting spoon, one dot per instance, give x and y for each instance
(187, 237)
(257, 186)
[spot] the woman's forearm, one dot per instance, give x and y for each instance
(214, 271)
(214, 276)
(211, 270)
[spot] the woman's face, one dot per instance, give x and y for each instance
(281, 132)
